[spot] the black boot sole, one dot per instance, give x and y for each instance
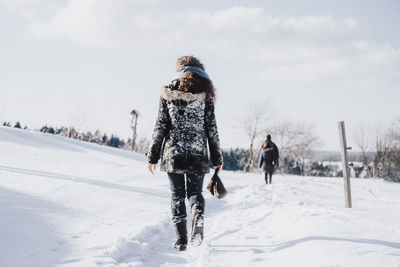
(180, 247)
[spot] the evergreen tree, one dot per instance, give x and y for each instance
(51, 130)
(115, 142)
(44, 129)
(104, 139)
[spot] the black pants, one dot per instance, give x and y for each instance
(268, 177)
(192, 190)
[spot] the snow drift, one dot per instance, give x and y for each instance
(70, 203)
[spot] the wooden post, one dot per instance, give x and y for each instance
(134, 124)
(345, 163)
(135, 115)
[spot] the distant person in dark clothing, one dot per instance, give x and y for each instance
(269, 159)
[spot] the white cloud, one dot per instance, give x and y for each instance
(244, 47)
(116, 22)
(316, 47)
(16, 4)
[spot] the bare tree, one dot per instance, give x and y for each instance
(388, 153)
(394, 132)
(380, 148)
(386, 161)
(142, 145)
(255, 116)
(362, 136)
(363, 141)
(394, 135)
(294, 140)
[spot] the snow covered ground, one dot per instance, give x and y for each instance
(70, 203)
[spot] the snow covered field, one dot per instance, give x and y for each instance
(69, 203)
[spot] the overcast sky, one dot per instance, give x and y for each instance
(88, 63)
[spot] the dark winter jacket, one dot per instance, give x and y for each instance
(185, 123)
(269, 158)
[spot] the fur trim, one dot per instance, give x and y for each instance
(169, 94)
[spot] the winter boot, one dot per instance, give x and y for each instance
(181, 233)
(196, 236)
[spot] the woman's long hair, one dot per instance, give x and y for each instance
(266, 145)
(193, 83)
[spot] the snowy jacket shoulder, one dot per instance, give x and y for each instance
(185, 124)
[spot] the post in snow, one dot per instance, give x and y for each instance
(135, 115)
(345, 163)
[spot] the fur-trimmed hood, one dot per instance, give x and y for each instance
(170, 94)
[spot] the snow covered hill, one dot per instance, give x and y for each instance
(70, 203)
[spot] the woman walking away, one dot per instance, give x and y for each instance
(269, 159)
(185, 124)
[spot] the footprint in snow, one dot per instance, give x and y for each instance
(152, 246)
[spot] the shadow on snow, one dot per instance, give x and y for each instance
(27, 239)
(78, 179)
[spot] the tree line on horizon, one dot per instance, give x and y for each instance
(384, 143)
(296, 140)
(234, 159)
(380, 153)
(96, 137)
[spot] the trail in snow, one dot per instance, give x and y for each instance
(68, 203)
